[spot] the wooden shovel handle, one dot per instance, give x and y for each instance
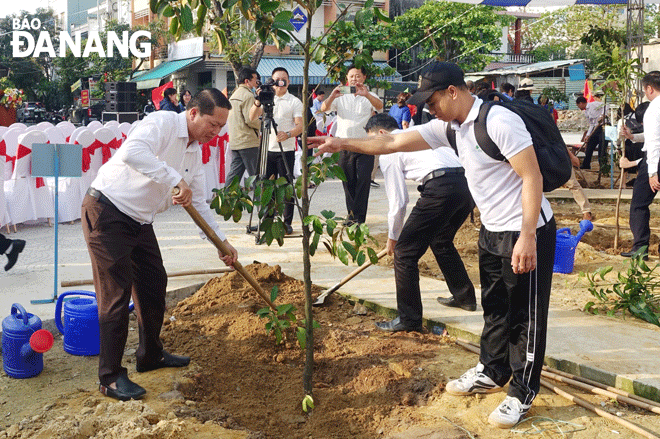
(215, 239)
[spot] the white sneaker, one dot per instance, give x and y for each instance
(471, 382)
(508, 413)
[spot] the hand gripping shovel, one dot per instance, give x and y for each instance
(215, 239)
(321, 299)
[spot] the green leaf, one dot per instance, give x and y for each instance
(318, 227)
(273, 294)
(361, 257)
(269, 6)
(267, 194)
(201, 16)
(373, 257)
(207, 3)
(314, 244)
(263, 312)
(174, 25)
(350, 249)
(186, 18)
(380, 15)
(368, 4)
(238, 213)
(168, 11)
(327, 214)
(307, 403)
(153, 5)
(342, 254)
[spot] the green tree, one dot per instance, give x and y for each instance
(447, 31)
(271, 23)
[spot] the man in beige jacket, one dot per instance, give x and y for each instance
(244, 125)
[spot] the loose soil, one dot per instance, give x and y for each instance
(367, 384)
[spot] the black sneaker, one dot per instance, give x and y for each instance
(17, 246)
(374, 184)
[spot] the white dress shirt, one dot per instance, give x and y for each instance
(398, 167)
(353, 112)
(285, 110)
(153, 159)
(593, 112)
(652, 135)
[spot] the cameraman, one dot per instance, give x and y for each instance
(288, 118)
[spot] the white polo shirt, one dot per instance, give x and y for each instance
(353, 112)
(285, 109)
(399, 166)
(652, 135)
(494, 185)
(139, 178)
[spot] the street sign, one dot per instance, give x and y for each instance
(84, 98)
(299, 19)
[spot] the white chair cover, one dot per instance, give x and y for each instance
(104, 146)
(43, 126)
(17, 125)
(3, 130)
(84, 137)
(125, 127)
(33, 128)
(94, 125)
(4, 213)
(28, 198)
(111, 123)
(9, 143)
(68, 190)
(67, 128)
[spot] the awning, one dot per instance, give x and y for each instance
(536, 67)
(151, 79)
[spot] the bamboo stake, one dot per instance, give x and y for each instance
(605, 414)
(77, 283)
(600, 391)
(602, 386)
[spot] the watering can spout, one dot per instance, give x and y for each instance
(41, 341)
(585, 226)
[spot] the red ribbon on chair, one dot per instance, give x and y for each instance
(67, 139)
(3, 148)
(106, 149)
(87, 154)
(222, 143)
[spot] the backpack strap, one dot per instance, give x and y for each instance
(451, 137)
(481, 133)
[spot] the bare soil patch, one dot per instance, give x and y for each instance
(240, 384)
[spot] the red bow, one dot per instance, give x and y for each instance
(67, 139)
(87, 154)
(106, 149)
(3, 148)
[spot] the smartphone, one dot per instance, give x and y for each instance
(345, 89)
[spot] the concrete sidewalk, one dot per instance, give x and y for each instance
(620, 353)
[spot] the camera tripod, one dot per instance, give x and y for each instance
(267, 125)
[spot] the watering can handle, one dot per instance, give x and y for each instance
(58, 306)
(565, 230)
(24, 315)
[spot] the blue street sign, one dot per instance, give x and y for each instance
(299, 19)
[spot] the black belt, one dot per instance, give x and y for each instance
(440, 172)
(98, 195)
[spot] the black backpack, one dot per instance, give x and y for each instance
(549, 146)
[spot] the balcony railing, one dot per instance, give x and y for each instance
(518, 58)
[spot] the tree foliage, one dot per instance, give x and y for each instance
(447, 31)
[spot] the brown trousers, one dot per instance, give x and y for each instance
(126, 261)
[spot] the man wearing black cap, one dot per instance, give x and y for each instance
(515, 276)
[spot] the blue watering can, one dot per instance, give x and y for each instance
(566, 245)
(80, 325)
(23, 343)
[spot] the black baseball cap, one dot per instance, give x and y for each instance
(437, 76)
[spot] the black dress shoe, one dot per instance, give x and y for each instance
(126, 389)
(17, 246)
(396, 325)
(450, 301)
(168, 360)
(252, 229)
(289, 229)
(631, 253)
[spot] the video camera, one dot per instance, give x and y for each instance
(267, 94)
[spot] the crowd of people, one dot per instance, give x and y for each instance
(516, 241)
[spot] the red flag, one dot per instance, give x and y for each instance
(157, 94)
(588, 94)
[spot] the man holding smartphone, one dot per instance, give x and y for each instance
(353, 111)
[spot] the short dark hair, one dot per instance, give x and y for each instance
(320, 92)
(506, 87)
(246, 74)
(381, 121)
(652, 79)
(640, 110)
(280, 69)
(353, 66)
(581, 100)
(207, 99)
(169, 92)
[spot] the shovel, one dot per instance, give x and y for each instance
(321, 299)
(215, 239)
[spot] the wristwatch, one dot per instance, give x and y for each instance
(655, 174)
(288, 134)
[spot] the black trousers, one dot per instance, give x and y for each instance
(515, 310)
(642, 197)
(275, 166)
(357, 168)
(440, 211)
(4, 244)
(595, 140)
(126, 261)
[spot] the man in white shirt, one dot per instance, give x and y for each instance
(444, 204)
(353, 112)
(161, 153)
(646, 184)
(516, 241)
(287, 115)
(594, 112)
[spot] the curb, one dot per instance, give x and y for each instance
(604, 377)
